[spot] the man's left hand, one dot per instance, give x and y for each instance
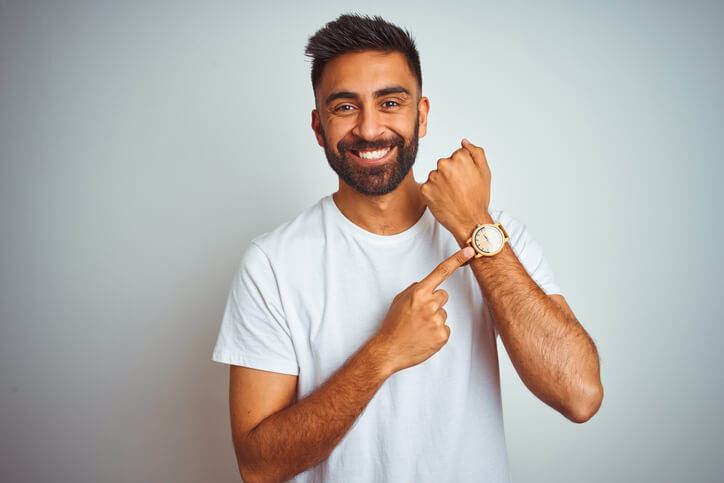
(458, 191)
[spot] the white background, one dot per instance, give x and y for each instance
(143, 144)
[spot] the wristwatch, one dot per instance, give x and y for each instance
(488, 239)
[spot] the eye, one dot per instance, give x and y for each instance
(344, 108)
(390, 104)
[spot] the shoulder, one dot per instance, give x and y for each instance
(303, 232)
(515, 227)
(521, 241)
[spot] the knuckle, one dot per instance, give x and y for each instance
(425, 187)
(444, 334)
(444, 270)
(400, 295)
(438, 318)
(461, 153)
(409, 291)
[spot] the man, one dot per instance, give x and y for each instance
(344, 364)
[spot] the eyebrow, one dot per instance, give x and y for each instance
(378, 93)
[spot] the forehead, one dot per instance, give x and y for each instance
(365, 72)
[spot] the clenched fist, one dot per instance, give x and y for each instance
(458, 191)
(414, 328)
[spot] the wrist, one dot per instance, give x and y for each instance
(463, 232)
(379, 357)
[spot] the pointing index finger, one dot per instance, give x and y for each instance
(446, 268)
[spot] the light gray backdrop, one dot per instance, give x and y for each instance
(143, 144)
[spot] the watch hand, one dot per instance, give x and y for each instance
(486, 243)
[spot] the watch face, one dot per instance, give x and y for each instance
(488, 239)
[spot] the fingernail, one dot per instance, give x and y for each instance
(466, 140)
(468, 252)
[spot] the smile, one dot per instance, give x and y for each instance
(372, 157)
(373, 154)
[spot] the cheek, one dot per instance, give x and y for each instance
(404, 125)
(338, 129)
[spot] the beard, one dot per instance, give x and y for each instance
(373, 180)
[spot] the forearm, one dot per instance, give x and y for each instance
(300, 436)
(548, 347)
(550, 350)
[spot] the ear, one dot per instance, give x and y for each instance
(423, 107)
(315, 127)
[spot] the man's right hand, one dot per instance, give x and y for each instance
(414, 328)
(276, 438)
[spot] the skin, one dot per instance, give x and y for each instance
(364, 74)
(275, 437)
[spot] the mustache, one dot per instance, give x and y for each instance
(362, 145)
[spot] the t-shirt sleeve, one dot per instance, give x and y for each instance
(529, 253)
(254, 331)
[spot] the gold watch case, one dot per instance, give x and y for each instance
(488, 239)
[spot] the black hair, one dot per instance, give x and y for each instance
(356, 33)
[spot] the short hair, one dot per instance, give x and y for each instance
(356, 33)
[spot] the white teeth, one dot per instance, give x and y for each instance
(373, 154)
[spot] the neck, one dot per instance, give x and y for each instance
(387, 214)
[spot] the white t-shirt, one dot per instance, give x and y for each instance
(311, 292)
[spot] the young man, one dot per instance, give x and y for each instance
(344, 364)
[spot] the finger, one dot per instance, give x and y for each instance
(446, 268)
(476, 152)
(439, 318)
(461, 155)
(441, 297)
(463, 150)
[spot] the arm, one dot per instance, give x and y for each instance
(553, 354)
(275, 440)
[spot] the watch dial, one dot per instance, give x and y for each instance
(488, 239)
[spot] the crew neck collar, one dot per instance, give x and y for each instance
(348, 225)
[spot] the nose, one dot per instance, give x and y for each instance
(369, 124)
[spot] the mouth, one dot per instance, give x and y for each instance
(372, 157)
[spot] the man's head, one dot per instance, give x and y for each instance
(369, 108)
